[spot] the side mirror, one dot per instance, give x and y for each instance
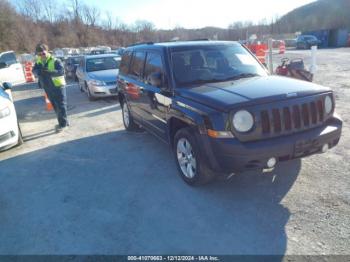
(155, 79)
(7, 86)
(3, 65)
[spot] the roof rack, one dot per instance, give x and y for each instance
(141, 43)
(200, 39)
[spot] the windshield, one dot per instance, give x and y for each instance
(102, 63)
(215, 63)
(310, 37)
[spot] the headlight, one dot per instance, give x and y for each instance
(5, 112)
(328, 105)
(243, 121)
(96, 83)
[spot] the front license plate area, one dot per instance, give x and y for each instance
(306, 147)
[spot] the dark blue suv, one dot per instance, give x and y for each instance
(307, 41)
(219, 110)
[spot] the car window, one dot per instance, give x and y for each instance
(8, 58)
(153, 65)
(124, 65)
(310, 37)
(102, 63)
(213, 64)
(137, 63)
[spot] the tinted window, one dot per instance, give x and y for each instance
(215, 63)
(138, 60)
(124, 65)
(103, 63)
(8, 58)
(154, 64)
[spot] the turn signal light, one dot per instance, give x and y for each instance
(219, 134)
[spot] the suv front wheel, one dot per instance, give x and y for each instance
(191, 166)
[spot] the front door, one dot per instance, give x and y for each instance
(153, 102)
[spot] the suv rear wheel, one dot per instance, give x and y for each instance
(191, 166)
(128, 120)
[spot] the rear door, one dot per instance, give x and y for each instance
(133, 83)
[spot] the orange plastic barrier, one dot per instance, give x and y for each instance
(28, 66)
(282, 48)
(260, 54)
(49, 106)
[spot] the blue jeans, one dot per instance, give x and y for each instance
(58, 99)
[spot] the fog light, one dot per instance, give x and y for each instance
(271, 162)
(325, 148)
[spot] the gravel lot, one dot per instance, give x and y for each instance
(96, 189)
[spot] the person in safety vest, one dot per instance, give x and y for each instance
(50, 72)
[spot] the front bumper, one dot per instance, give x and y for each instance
(8, 132)
(231, 155)
(103, 91)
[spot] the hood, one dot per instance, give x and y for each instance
(104, 75)
(227, 95)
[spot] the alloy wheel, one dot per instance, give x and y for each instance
(186, 158)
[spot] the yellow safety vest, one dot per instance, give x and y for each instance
(58, 81)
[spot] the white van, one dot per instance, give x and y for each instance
(10, 69)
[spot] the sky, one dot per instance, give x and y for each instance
(167, 14)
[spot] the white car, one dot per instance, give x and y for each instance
(10, 69)
(10, 132)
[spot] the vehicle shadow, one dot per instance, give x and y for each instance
(119, 193)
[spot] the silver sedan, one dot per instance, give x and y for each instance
(97, 75)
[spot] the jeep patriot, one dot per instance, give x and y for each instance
(220, 111)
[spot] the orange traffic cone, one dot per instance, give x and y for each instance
(49, 106)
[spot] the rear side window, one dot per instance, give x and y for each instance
(8, 58)
(137, 63)
(124, 65)
(153, 65)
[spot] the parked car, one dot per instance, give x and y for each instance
(306, 41)
(97, 75)
(291, 42)
(70, 66)
(10, 132)
(10, 69)
(220, 111)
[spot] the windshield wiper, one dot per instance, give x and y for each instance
(239, 76)
(203, 81)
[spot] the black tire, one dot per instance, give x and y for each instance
(128, 120)
(202, 173)
(20, 137)
(91, 98)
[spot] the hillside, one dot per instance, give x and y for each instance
(322, 14)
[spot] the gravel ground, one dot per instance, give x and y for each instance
(96, 189)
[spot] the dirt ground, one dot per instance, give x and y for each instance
(97, 189)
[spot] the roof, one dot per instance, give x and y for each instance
(6, 52)
(101, 56)
(181, 43)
